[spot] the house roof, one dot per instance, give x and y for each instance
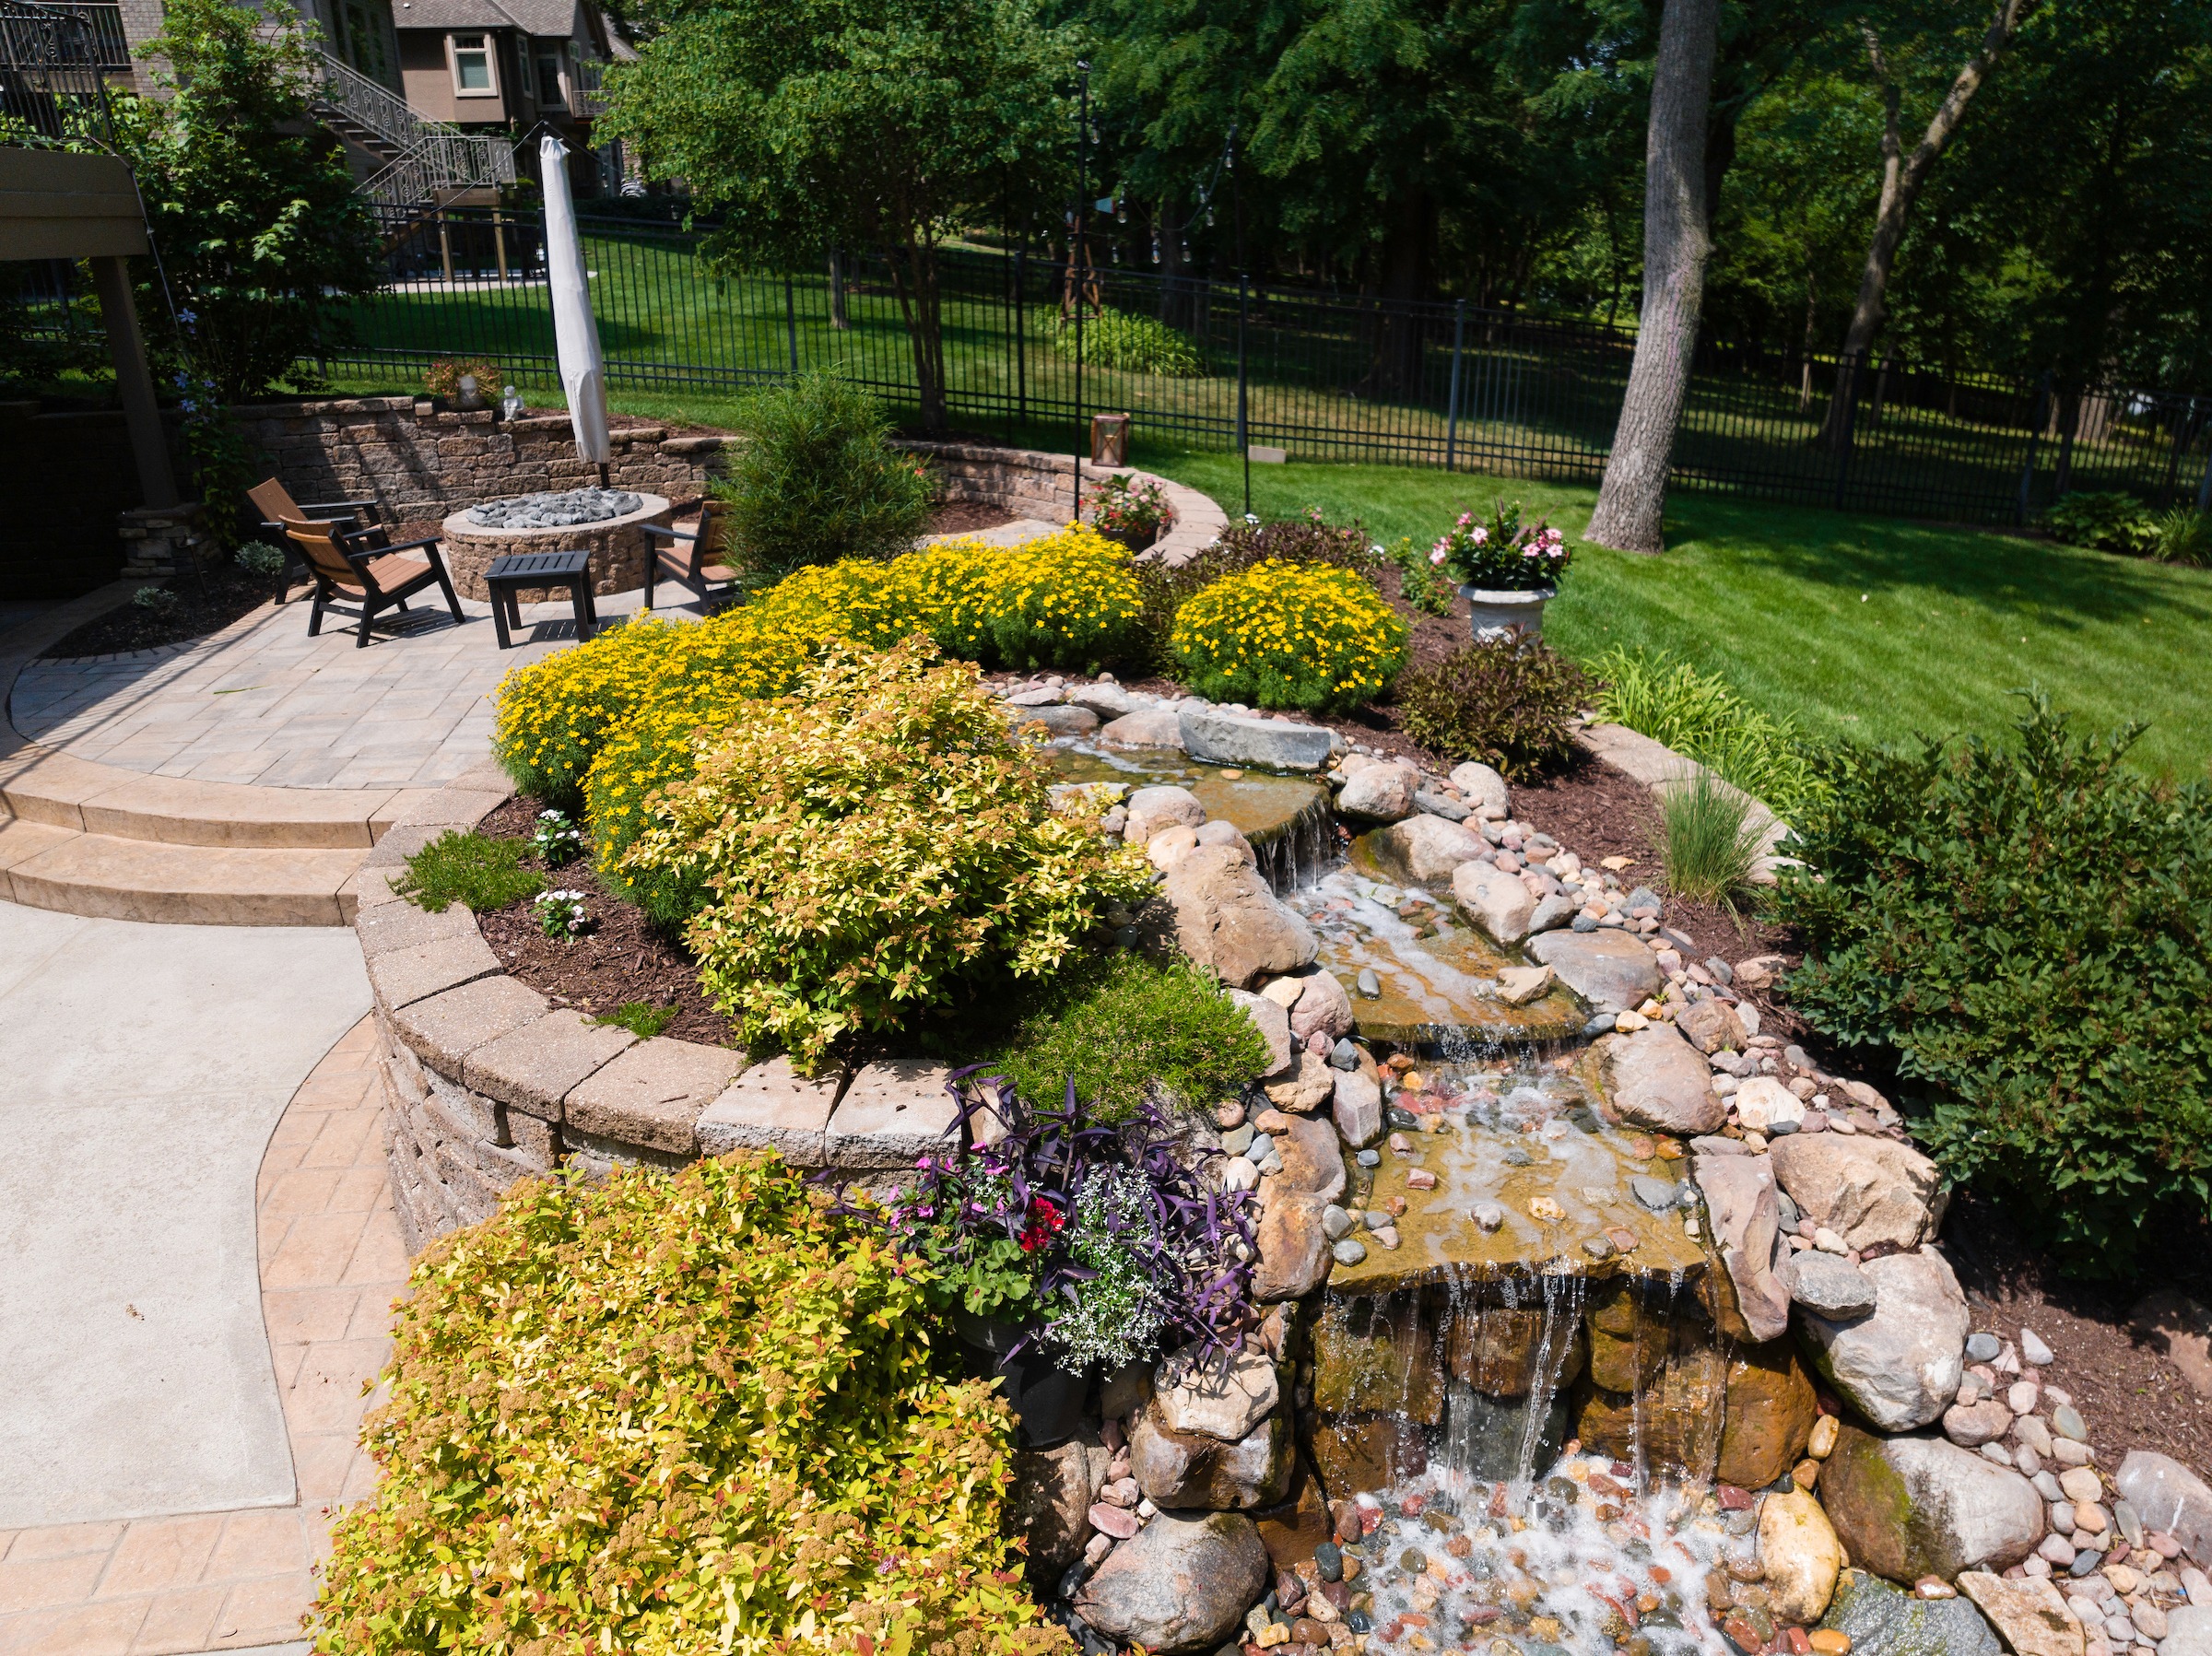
(556, 19)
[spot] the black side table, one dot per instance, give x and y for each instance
(509, 574)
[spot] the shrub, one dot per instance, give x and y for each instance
(1133, 345)
(442, 378)
(1311, 539)
(485, 873)
(816, 480)
(1509, 701)
(1285, 635)
(1701, 717)
(655, 748)
(1421, 583)
(2024, 928)
(1065, 600)
(1712, 840)
(672, 1415)
(876, 846)
(2185, 536)
(258, 558)
(2108, 521)
(1119, 1021)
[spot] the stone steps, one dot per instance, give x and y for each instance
(112, 877)
(40, 785)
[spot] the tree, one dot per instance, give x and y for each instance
(1677, 238)
(1903, 178)
(814, 124)
(263, 241)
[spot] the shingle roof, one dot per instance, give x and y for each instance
(556, 19)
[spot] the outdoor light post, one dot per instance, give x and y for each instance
(1074, 279)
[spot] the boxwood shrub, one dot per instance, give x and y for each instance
(2026, 928)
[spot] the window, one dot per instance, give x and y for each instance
(548, 78)
(472, 64)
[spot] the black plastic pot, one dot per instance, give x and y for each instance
(1047, 1400)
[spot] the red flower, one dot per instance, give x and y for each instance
(1045, 1222)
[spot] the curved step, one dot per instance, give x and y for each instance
(61, 790)
(111, 877)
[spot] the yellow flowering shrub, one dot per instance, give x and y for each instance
(1289, 635)
(874, 847)
(668, 1415)
(1064, 600)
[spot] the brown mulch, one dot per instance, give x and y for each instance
(966, 517)
(623, 958)
(205, 604)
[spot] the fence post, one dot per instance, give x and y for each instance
(1021, 361)
(1243, 408)
(1851, 420)
(790, 322)
(1459, 328)
(2204, 486)
(2036, 422)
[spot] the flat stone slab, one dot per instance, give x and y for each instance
(893, 1113)
(772, 1107)
(1220, 738)
(1610, 969)
(652, 1095)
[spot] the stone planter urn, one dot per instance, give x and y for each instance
(1497, 613)
(1046, 1399)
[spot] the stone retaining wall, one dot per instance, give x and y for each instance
(1032, 484)
(486, 1082)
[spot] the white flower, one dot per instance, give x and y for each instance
(1437, 556)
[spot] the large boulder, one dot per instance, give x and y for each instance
(2169, 1497)
(1148, 727)
(1501, 903)
(1302, 1086)
(1912, 1507)
(1656, 1080)
(1220, 738)
(1378, 792)
(1798, 1548)
(1274, 1025)
(1899, 1366)
(1746, 1225)
(1609, 969)
(1423, 849)
(1195, 1470)
(1832, 1287)
(1049, 1498)
(2030, 1616)
(1163, 806)
(1712, 1026)
(1218, 1394)
(1871, 1191)
(1883, 1619)
(1481, 786)
(1181, 1585)
(1312, 1165)
(1227, 919)
(1294, 1248)
(1769, 1414)
(1321, 1007)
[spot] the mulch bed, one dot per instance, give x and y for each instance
(623, 958)
(966, 517)
(204, 605)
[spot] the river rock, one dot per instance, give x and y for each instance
(1480, 786)
(1882, 1619)
(1798, 1548)
(1769, 1412)
(1971, 1424)
(1198, 1470)
(1901, 1365)
(1222, 738)
(1304, 1087)
(1181, 1585)
(1747, 1224)
(1148, 727)
(1379, 794)
(1917, 1506)
(1830, 1287)
(1226, 918)
(1049, 1495)
(1313, 1166)
(1762, 1102)
(1294, 1248)
(2029, 1615)
(1162, 806)
(1321, 1008)
(1610, 970)
(1273, 1023)
(1871, 1191)
(1655, 1079)
(2168, 1498)
(1057, 721)
(1423, 849)
(1497, 901)
(1359, 1108)
(1711, 1026)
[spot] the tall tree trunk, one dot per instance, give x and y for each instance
(1408, 254)
(1676, 242)
(1902, 179)
(838, 318)
(914, 282)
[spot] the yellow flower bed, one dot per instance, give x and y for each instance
(1289, 634)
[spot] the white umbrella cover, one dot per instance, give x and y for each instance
(575, 336)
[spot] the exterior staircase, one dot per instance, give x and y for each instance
(427, 164)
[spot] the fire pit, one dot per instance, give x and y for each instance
(608, 522)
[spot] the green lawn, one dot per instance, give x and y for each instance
(1860, 627)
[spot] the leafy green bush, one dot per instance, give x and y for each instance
(1701, 717)
(1289, 635)
(2028, 928)
(1510, 702)
(1421, 583)
(2109, 520)
(483, 873)
(1133, 344)
(816, 480)
(2185, 536)
(1308, 540)
(1711, 839)
(677, 1415)
(1119, 1021)
(876, 846)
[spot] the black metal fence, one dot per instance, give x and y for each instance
(1219, 364)
(53, 88)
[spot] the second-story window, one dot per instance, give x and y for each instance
(472, 64)
(549, 88)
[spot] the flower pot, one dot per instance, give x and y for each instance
(1046, 1399)
(1497, 613)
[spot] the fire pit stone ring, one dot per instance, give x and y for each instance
(612, 531)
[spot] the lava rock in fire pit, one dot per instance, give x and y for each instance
(556, 510)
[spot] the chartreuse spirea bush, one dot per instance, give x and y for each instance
(872, 848)
(677, 1415)
(2027, 929)
(1289, 636)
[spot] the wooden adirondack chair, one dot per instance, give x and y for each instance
(353, 568)
(697, 555)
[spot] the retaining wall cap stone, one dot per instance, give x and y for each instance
(398, 844)
(453, 807)
(773, 1106)
(535, 1067)
(400, 976)
(390, 927)
(893, 1111)
(653, 1092)
(443, 1029)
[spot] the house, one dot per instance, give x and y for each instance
(508, 64)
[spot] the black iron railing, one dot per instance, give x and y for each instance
(53, 64)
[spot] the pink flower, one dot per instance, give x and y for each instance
(1465, 518)
(1478, 534)
(1436, 555)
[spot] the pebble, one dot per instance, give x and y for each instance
(1368, 984)
(1982, 1347)
(1239, 1141)
(2034, 1350)
(1335, 1223)
(1369, 1158)
(1421, 1179)
(2022, 1396)
(1344, 1055)
(1229, 1115)
(1385, 1236)
(1658, 1194)
(2068, 1423)
(1489, 1215)
(1348, 1251)
(1238, 1174)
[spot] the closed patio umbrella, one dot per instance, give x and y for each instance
(575, 334)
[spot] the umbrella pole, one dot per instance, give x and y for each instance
(603, 475)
